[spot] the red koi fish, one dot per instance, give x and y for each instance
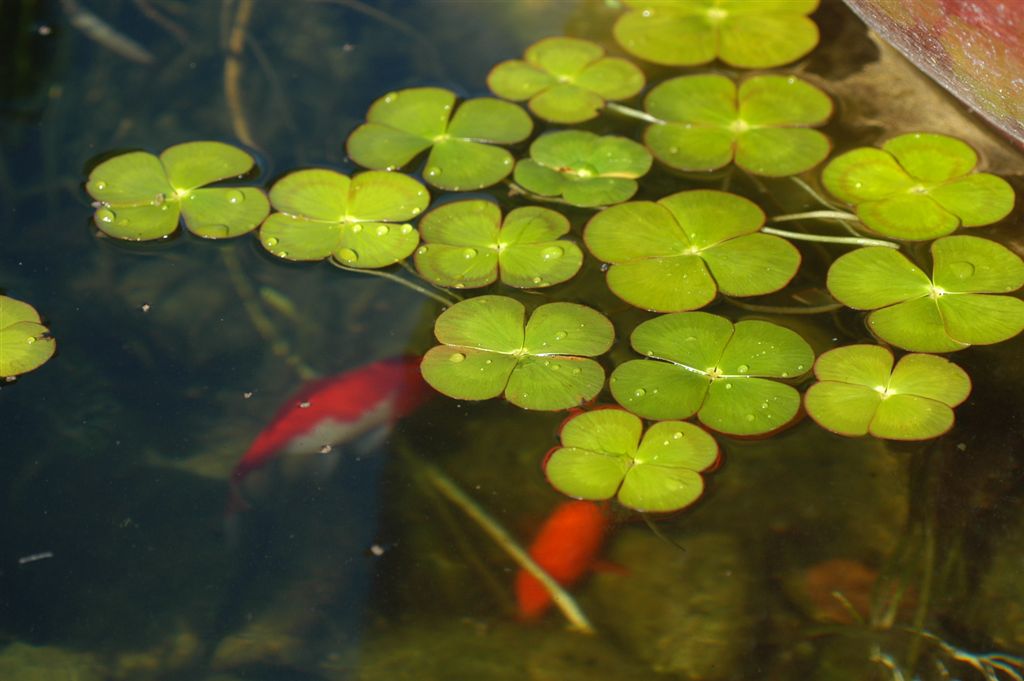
(331, 412)
(566, 546)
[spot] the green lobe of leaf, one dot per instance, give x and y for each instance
(488, 322)
(377, 146)
(978, 199)
(759, 348)
(25, 343)
(517, 80)
(133, 178)
(864, 174)
(842, 408)
(914, 325)
(586, 474)
(139, 223)
(460, 165)
(968, 264)
(748, 406)
(914, 217)
(766, 40)
(752, 265)
(658, 390)
(929, 376)
(658, 489)
(570, 329)
(551, 384)
(195, 164)
(780, 152)
(909, 417)
(491, 120)
(467, 373)
(223, 212)
(869, 278)
(315, 193)
(930, 157)
(981, 319)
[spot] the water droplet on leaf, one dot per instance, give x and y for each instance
(405, 229)
(468, 253)
(639, 392)
(456, 357)
(962, 269)
(105, 215)
(743, 368)
(433, 171)
(552, 253)
(348, 255)
(101, 185)
(559, 335)
(356, 229)
(382, 230)
(235, 196)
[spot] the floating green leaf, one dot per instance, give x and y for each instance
(947, 312)
(918, 186)
(602, 456)
(488, 349)
(25, 344)
(141, 197)
(762, 124)
(566, 80)
(743, 33)
(677, 254)
(716, 369)
(583, 168)
(859, 392)
(403, 124)
(466, 245)
(326, 214)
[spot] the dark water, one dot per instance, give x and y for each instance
(114, 456)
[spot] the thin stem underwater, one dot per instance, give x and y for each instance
(818, 215)
(629, 111)
(447, 302)
(822, 238)
(495, 531)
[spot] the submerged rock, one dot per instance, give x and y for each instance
(689, 612)
(432, 650)
(22, 662)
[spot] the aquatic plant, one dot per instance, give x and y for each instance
(918, 186)
(584, 169)
(462, 139)
(727, 374)
(25, 343)
(963, 303)
(566, 80)
(679, 252)
(488, 349)
(467, 245)
(707, 122)
(141, 197)
(860, 392)
(747, 35)
(603, 456)
(323, 213)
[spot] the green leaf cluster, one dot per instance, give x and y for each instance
(25, 343)
(141, 197)
(603, 456)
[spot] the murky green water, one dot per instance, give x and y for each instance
(115, 455)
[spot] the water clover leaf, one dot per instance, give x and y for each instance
(466, 245)
(566, 80)
(721, 371)
(947, 312)
(859, 392)
(677, 254)
(326, 214)
(25, 344)
(602, 456)
(745, 34)
(585, 169)
(141, 197)
(489, 349)
(762, 124)
(918, 186)
(403, 124)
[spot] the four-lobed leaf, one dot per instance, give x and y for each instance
(963, 303)
(762, 124)
(488, 349)
(918, 186)
(859, 392)
(678, 253)
(467, 245)
(141, 197)
(748, 34)
(725, 373)
(323, 213)
(462, 139)
(25, 343)
(603, 456)
(583, 168)
(566, 80)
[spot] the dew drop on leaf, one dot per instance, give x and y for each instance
(271, 242)
(639, 392)
(356, 229)
(559, 335)
(30, 340)
(105, 215)
(552, 253)
(433, 171)
(405, 229)
(962, 270)
(456, 357)
(749, 417)
(382, 230)
(468, 253)
(677, 435)
(235, 196)
(422, 250)
(743, 368)
(348, 255)
(101, 185)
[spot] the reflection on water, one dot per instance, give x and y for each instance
(811, 556)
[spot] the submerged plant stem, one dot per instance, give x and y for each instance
(818, 215)
(629, 111)
(560, 596)
(233, 72)
(785, 309)
(447, 302)
(519, 190)
(822, 238)
(814, 193)
(250, 301)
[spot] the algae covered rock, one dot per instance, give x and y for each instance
(22, 662)
(448, 649)
(686, 612)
